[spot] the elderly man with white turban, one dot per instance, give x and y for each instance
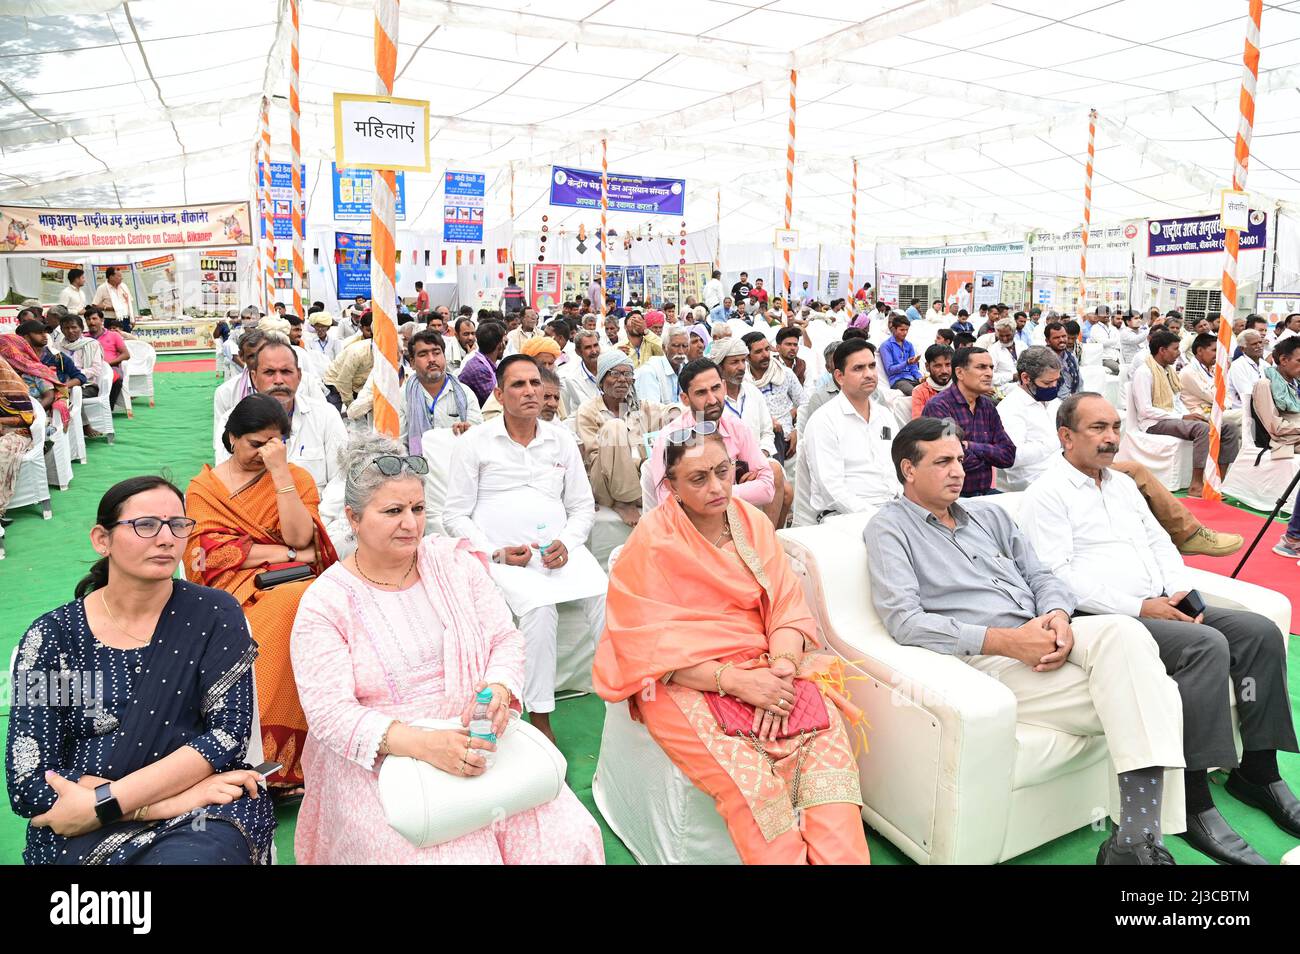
(612, 429)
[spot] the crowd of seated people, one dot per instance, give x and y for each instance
(420, 577)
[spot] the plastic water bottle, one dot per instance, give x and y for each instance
(480, 725)
(544, 539)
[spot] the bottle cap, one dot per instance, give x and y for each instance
(484, 694)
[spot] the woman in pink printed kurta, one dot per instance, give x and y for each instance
(363, 657)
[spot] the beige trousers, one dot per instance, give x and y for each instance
(1112, 684)
(616, 469)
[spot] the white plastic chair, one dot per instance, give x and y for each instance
(1169, 458)
(1256, 479)
(124, 395)
(138, 370)
(76, 438)
(58, 462)
(33, 485)
(95, 410)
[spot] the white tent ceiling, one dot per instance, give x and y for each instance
(968, 117)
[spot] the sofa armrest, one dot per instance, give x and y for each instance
(1225, 592)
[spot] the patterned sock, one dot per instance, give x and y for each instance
(1139, 806)
(1260, 766)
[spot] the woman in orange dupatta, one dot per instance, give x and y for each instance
(702, 598)
(255, 510)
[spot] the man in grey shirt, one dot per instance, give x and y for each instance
(960, 578)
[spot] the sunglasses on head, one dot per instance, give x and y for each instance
(701, 429)
(390, 465)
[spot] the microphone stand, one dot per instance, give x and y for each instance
(1268, 522)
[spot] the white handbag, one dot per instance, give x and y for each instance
(428, 806)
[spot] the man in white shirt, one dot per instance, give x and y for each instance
(115, 297)
(1090, 527)
(846, 446)
(743, 400)
(1005, 352)
(72, 297)
(319, 340)
(713, 295)
(779, 388)
(233, 390)
(937, 316)
(656, 380)
(1154, 392)
(579, 377)
(1132, 338)
(317, 434)
(1099, 330)
(527, 329)
(1247, 369)
(517, 490)
(1197, 378)
(1028, 413)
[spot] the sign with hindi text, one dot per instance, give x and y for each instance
(462, 209)
(1202, 233)
(35, 229)
(381, 132)
(580, 189)
(353, 189)
(352, 258)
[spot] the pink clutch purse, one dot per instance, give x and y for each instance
(807, 715)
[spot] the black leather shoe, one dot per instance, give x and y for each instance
(1275, 799)
(1210, 834)
(1146, 853)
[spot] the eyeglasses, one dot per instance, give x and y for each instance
(620, 374)
(149, 527)
(391, 465)
(701, 429)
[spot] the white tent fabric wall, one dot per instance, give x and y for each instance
(968, 117)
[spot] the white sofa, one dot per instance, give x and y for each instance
(950, 777)
(1169, 458)
(1256, 479)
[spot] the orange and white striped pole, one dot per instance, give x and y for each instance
(268, 222)
(383, 244)
(1087, 212)
(510, 252)
(295, 160)
(1231, 242)
(604, 212)
(789, 175)
(853, 237)
(717, 240)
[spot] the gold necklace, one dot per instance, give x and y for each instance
(103, 601)
(356, 558)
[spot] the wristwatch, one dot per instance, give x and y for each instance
(293, 554)
(107, 810)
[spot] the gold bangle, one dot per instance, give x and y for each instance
(140, 813)
(383, 739)
(285, 490)
(795, 658)
(717, 677)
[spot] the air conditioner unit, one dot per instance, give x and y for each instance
(925, 290)
(1202, 298)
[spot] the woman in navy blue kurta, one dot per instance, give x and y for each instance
(83, 709)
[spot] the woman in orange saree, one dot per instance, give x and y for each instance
(702, 599)
(252, 511)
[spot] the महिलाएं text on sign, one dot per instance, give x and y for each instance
(24, 229)
(381, 132)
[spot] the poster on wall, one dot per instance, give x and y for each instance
(888, 291)
(577, 284)
(54, 278)
(463, 197)
(614, 284)
(988, 289)
(218, 282)
(177, 336)
(281, 199)
(654, 287)
(580, 189)
(24, 229)
(1200, 234)
(634, 276)
(1277, 305)
(544, 290)
(353, 189)
(670, 278)
(690, 285)
(955, 290)
(352, 263)
(832, 286)
(161, 288)
(1013, 290)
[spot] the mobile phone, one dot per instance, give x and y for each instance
(742, 468)
(1192, 605)
(268, 768)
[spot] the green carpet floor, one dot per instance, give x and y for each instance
(45, 559)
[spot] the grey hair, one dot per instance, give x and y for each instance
(1036, 361)
(1068, 413)
(676, 331)
(701, 313)
(408, 328)
(361, 480)
(1005, 323)
(250, 312)
(830, 348)
(583, 333)
(1250, 335)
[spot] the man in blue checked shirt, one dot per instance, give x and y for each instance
(899, 357)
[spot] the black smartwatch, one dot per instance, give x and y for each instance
(107, 810)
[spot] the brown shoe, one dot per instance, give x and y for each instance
(1207, 542)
